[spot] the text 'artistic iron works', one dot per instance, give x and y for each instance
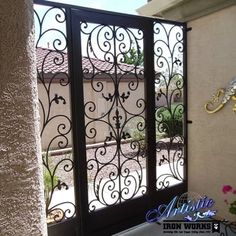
(192, 208)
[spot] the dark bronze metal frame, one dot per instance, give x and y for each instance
(117, 217)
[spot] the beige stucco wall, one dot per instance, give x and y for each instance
(211, 65)
(22, 209)
(51, 138)
(60, 111)
(102, 106)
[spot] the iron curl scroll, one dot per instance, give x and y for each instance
(114, 175)
(170, 109)
(52, 73)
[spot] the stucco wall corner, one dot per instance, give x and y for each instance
(211, 137)
(21, 180)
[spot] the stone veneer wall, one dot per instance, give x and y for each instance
(21, 184)
(212, 142)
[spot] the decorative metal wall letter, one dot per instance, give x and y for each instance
(221, 97)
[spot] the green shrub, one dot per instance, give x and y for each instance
(139, 136)
(49, 183)
(172, 127)
(169, 122)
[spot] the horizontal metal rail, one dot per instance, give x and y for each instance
(91, 10)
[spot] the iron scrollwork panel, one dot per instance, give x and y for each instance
(54, 105)
(115, 121)
(169, 100)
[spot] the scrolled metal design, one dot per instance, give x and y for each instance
(52, 73)
(58, 42)
(114, 175)
(169, 85)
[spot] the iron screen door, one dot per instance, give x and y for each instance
(122, 136)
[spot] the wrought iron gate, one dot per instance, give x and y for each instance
(128, 99)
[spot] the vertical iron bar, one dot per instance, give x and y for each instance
(73, 118)
(185, 126)
(78, 129)
(118, 137)
(149, 76)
